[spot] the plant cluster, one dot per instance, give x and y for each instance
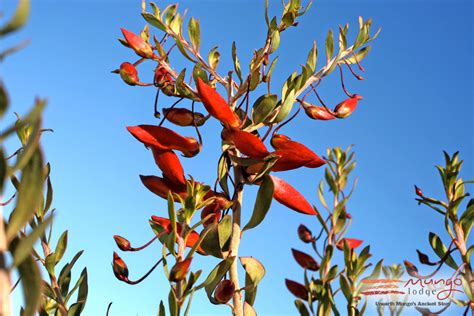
(29, 220)
(316, 296)
(458, 223)
(245, 159)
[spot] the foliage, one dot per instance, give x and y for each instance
(31, 217)
(458, 223)
(317, 295)
(245, 159)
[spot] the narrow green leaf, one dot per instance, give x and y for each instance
(262, 203)
(19, 18)
(25, 246)
(440, 249)
(329, 45)
(61, 246)
(255, 271)
(194, 32)
(30, 193)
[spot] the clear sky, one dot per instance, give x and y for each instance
(418, 102)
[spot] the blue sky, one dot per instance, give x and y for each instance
(418, 102)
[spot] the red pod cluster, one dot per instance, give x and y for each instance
(247, 143)
(285, 194)
(318, 113)
(162, 186)
(164, 139)
(216, 105)
(183, 117)
(289, 160)
(141, 48)
(165, 223)
(282, 142)
(169, 164)
(347, 107)
(351, 242)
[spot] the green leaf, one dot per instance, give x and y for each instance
(198, 72)
(255, 271)
(238, 71)
(359, 55)
(224, 231)
(285, 107)
(249, 310)
(25, 246)
(210, 243)
(172, 218)
(61, 246)
(215, 276)
(19, 18)
(214, 57)
(161, 311)
(31, 284)
(263, 107)
(30, 193)
(329, 45)
(345, 287)
(3, 99)
(172, 303)
(312, 57)
(153, 20)
(275, 41)
(301, 307)
(441, 250)
(262, 203)
(194, 32)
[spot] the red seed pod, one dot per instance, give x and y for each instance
(180, 270)
(165, 223)
(282, 142)
(213, 209)
(162, 77)
(318, 113)
(216, 105)
(305, 260)
(137, 43)
(224, 291)
(346, 107)
(161, 186)
(297, 289)
(129, 74)
(285, 194)
(289, 160)
(163, 138)
(122, 243)
(351, 242)
(169, 164)
(412, 270)
(183, 117)
(419, 192)
(248, 144)
(120, 268)
(305, 234)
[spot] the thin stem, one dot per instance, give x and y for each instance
(145, 245)
(342, 82)
(235, 239)
(146, 274)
